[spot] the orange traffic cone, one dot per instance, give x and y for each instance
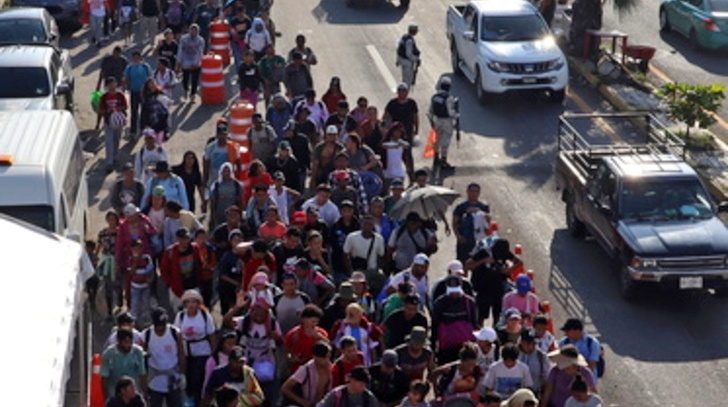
(492, 229)
(431, 143)
(546, 307)
(96, 398)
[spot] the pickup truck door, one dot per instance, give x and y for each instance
(600, 207)
(469, 48)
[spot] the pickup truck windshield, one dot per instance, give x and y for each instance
(22, 31)
(513, 28)
(23, 82)
(664, 199)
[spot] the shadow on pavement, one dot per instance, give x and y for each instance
(336, 12)
(713, 61)
(661, 326)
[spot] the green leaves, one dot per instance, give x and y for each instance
(694, 105)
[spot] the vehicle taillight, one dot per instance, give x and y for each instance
(710, 25)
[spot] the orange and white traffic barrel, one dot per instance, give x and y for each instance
(96, 394)
(241, 120)
(220, 40)
(212, 81)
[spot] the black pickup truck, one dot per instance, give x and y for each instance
(644, 205)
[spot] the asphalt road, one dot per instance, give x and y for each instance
(674, 59)
(666, 350)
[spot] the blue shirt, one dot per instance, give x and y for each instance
(174, 190)
(136, 75)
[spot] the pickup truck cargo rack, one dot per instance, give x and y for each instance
(659, 146)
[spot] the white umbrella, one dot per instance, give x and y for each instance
(427, 202)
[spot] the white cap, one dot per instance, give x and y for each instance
(454, 290)
(485, 334)
(130, 209)
(332, 129)
(456, 267)
(421, 259)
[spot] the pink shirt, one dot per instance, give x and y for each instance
(527, 304)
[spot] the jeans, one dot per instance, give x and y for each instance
(96, 27)
(173, 398)
(237, 49)
(190, 79)
(147, 30)
(136, 105)
(140, 297)
(112, 138)
(195, 377)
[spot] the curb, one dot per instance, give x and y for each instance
(622, 105)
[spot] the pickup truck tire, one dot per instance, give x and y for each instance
(455, 58)
(479, 91)
(576, 227)
(628, 288)
(557, 96)
(664, 21)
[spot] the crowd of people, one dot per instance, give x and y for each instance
(322, 282)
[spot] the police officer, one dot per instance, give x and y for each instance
(443, 112)
(408, 56)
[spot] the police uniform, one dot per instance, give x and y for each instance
(443, 113)
(408, 55)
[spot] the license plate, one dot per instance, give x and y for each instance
(687, 283)
(529, 80)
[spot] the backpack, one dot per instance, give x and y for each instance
(174, 13)
(341, 398)
(372, 183)
(444, 381)
(182, 314)
(456, 333)
(158, 115)
(172, 328)
(601, 364)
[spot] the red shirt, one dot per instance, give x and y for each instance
(341, 368)
(300, 344)
(251, 264)
(111, 101)
(263, 178)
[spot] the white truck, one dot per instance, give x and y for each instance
(505, 45)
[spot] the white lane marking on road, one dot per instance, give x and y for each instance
(382, 67)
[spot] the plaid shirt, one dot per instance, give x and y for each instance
(354, 182)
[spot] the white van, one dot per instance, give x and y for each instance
(42, 171)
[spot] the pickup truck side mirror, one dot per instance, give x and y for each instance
(469, 36)
(723, 207)
(63, 89)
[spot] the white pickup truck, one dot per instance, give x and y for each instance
(505, 45)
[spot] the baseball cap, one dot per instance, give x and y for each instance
(402, 86)
(397, 183)
(358, 277)
(331, 129)
(158, 191)
(221, 127)
(237, 353)
(346, 203)
(456, 267)
(418, 336)
(159, 317)
(341, 174)
(161, 166)
(456, 289)
(279, 175)
(573, 324)
(127, 166)
(149, 133)
(360, 374)
(528, 335)
(486, 334)
(523, 284)
(421, 259)
(183, 233)
(284, 145)
(512, 313)
(390, 358)
(125, 318)
(131, 209)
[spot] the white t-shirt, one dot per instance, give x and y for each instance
(594, 401)
(163, 358)
(281, 202)
(395, 163)
(256, 341)
(328, 212)
(422, 284)
(195, 330)
(356, 245)
(506, 381)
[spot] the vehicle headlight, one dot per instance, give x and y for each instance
(641, 263)
(556, 64)
(498, 66)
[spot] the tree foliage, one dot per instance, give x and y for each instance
(694, 105)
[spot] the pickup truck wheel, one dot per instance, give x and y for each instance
(576, 227)
(664, 21)
(628, 288)
(479, 91)
(455, 59)
(557, 96)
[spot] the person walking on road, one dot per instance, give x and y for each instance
(408, 55)
(112, 65)
(189, 60)
(136, 75)
(470, 222)
(443, 113)
(112, 108)
(403, 109)
(149, 22)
